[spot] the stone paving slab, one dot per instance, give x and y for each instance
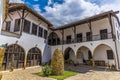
(96, 75)
(85, 73)
(26, 74)
(90, 73)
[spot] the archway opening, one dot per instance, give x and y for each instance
(53, 39)
(103, 56)
(84, 56)
(34, 57)
(69, 55)
(13, 57)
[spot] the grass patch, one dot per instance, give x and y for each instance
(60, 77)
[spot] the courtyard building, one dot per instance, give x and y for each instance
(31, 39)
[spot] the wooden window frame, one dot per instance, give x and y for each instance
(8, 25)
(26, 27)
(17, 25)
(40, 32)
(45, 34)
(103, 34)
(68, 39)
(34, 29)
(88, 36)
(79, 37)
(110, 54)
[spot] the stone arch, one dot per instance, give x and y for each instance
(83, 55)
(14, 57)
(53, 39)
(34, 57)
(69, 54)
(103, 55)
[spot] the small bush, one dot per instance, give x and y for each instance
(46, 70)
(0, 75)
(113, 67)
(68, 61)
(11, 69)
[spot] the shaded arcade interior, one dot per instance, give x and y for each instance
(53, 39)
(34, 57)
(14, 57)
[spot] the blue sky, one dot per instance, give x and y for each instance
(42, 3)
(60, 12)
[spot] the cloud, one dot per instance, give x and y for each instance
(50, 2)
(1, 8)
(73, 10)
(37, 8)
(0, 13)
(17, 1)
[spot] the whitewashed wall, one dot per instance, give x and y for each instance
(27, 41)
(117, 35)
(84, 28)
(91, 45)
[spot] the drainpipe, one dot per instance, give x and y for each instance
(62, 40)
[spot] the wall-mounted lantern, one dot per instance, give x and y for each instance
(16, 42)
(91, 44)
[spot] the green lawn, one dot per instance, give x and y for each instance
(60, 77)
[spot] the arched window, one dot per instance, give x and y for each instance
(34, 57)
(13, 57)
(53, 39)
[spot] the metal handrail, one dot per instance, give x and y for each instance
(89, 38)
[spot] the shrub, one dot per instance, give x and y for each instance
(11, 69)
(46, 70)
(57, 63)
(0, 75)
(113, 67)
(2, 51)
(68, 61)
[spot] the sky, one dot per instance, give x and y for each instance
(60, 12)
(0, 15)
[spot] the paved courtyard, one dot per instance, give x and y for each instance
(26, 74)
(86, 73)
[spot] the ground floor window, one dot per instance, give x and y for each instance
(110, 54)
(34, 57)
(14, 57)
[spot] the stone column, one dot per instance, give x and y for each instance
(75, 58)
(25, 61)
(93, 62)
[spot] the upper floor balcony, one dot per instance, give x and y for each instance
(97, 37)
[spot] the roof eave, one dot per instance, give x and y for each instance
(93, 18)
(23, 6)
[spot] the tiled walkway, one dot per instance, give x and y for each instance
(26, 74)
